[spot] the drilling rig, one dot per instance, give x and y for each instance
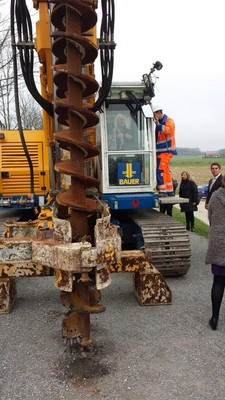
(103, 213)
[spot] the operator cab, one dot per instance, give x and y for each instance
(127, 142)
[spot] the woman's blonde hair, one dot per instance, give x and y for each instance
(187, 173)
(119, 117)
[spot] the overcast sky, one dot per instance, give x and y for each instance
(188, 38)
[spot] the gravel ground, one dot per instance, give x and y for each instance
(147, 352)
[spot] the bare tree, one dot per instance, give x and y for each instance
(7, 116)
(30, 111)
(31, 115)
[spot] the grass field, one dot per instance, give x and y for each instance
(201, 228)
(198, 167)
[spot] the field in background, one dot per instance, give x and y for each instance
(198, 167)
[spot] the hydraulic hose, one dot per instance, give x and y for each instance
(106, 46)
(16, 93)
(26, 51)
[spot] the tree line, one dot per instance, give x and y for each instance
(188, 151)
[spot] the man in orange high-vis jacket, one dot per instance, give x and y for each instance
(165, 149)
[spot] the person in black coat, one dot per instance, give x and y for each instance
(214, 183)
(189, 190)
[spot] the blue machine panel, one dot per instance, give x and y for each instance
(130, 201)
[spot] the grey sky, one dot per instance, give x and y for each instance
(188, 38)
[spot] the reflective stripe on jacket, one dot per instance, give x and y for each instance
(165, 136)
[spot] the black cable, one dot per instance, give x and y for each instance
(106, 46)
(26, 52)
(16, 94)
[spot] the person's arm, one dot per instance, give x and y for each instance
(194, 194)
(207, 197)
(128, 134)
(168, 128)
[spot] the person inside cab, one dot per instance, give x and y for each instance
(124, 136)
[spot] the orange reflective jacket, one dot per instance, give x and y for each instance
(165, 136)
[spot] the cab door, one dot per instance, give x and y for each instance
(126, 138)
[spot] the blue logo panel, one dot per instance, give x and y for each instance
(129, 174)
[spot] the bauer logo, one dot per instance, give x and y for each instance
(129, 174)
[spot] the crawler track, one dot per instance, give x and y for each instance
(167, 241)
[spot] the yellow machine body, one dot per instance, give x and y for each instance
(14, 168)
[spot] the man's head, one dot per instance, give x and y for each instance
(215, 168)
(157, 110)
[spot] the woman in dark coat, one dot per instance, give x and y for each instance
(188, 190)
(216, 250)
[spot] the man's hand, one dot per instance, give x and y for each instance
(156, 120)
